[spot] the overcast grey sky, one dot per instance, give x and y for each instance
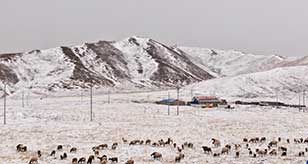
(256, 26)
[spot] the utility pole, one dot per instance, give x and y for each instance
(276, 97)
(168, 103)
(23, 97)
(28, 98)
(91, 96)
(177, 102)
(304, 97)
(4, 104)
(108, 96)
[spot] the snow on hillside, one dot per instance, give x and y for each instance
(46, 123)
(131, 63)
(286, 81)
(231, 63)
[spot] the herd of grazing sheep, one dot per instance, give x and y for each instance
(276, 147)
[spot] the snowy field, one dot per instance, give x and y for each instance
(45, 123)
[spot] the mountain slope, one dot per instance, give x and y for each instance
(286, 81)
(132, 62)
(231, 63)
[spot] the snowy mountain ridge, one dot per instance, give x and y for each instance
(137, 62)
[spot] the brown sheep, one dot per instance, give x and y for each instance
(225, 150)
(124, 140)
(103, 146)
(130, 161)
(73, 150)
(273, 152)
(74, 161)
(33, 160)
(156, 155)
(104, 162)
(273, 143)
(215, 142)
(237, 146)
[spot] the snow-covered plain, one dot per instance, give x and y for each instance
(44, 123)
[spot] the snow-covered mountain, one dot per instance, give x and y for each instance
(132, 62)
(284, 82)
(137, 62)
(230, 63)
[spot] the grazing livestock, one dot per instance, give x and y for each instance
(134, 142)
(74, 161)
(156, 155)
(301, 154)
(148, 142)
(124, 140)
(53, 153)
(237, 154)
(273, 152)
(113, 159)
(82, 160)
(103, 146)
(284, 154)
(306, 149)
(228, 146)
(179, 149)
(73, 150)
(59, 147)
(263, 139)
(104, 162)
(174, 145)
(262, 152)
(103, 158)
(254, 140)
(225, 150)
(96, 153)
(64, 156)
(273, 143)
(90, 159)
(21, 148)
(288, 141)
(245, 140)
(179, 157)
(279, 139)
(130, 161)
(39, 154)
(207, 150)
(190, 145)
(114, 146)
(215, 142)
(237, 146)
(33, 160)
(169, 141)
(216, 154)
(281, 148)
(250, 153)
